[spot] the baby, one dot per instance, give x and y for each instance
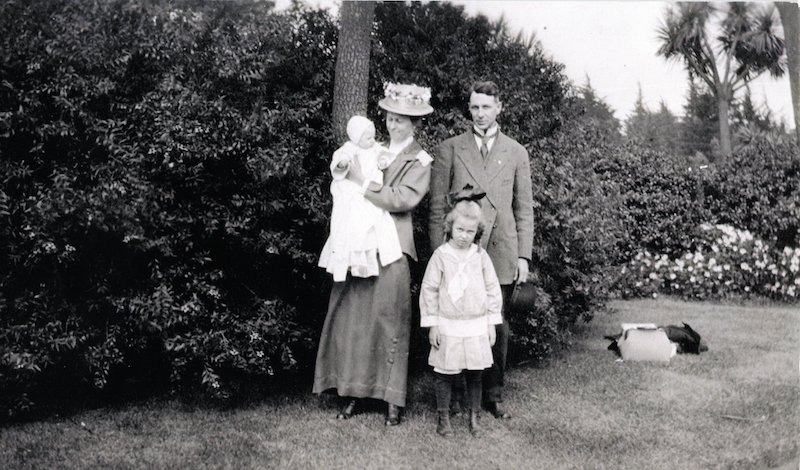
(361, 234)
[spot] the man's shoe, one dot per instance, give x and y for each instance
(393, 415)
(348, 411)
(496, 411)
(474, 427)
(443, 427)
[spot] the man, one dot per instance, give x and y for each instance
(486, 158)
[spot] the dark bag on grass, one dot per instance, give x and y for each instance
(686, 338)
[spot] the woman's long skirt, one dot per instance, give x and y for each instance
(363, 349)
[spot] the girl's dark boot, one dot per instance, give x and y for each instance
(474, 427)
(443, 427)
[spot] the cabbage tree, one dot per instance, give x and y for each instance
(726, 46)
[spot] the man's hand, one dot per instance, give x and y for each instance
(492, 335)
(521, 276)
(433, 336)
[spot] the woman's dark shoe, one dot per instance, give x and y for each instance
(348, 411)
(443, 427)
(499, 413)
(475, 427)
(393, 415)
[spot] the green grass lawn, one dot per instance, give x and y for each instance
(735, 406)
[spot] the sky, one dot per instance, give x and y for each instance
(614, 44)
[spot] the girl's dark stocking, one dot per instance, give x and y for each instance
(474, 388)
(444, 386)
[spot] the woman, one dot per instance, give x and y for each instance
(363, 349)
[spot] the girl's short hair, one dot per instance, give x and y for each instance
(469, 210)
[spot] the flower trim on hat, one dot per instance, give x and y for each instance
(412, 94)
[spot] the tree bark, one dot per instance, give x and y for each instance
(790, 18)
(724, 128)
(352, 63)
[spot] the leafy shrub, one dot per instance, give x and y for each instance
(758, 189)
(159, 189)
(577, 217)
(660, 197)
(726, 262)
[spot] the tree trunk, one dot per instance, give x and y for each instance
(723, 103)
(352, 63)
(790, 18)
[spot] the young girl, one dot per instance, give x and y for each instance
(361, 232)
(460, 301)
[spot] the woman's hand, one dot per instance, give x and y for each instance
(433, 337)
(492, 335)
(356, 175)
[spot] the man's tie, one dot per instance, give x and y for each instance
(484, 142)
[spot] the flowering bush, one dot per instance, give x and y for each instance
(725, 262)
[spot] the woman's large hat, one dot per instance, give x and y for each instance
(408, 100)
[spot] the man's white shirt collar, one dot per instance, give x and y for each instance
(491, 132)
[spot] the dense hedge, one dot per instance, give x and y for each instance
(661, 199)
(165, 195)
(758, 189)
(160, 193)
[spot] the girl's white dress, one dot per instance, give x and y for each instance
(361, 233)
(460, 294)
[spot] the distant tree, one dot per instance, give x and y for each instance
(746, 113)
(637, 125)
(659, 131)
(745, 46)
(350, 87)
(700, 124)
(598, 112)
(668, 132)
(790, 18)
(753, 124)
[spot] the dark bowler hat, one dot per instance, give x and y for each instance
(523, 297)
